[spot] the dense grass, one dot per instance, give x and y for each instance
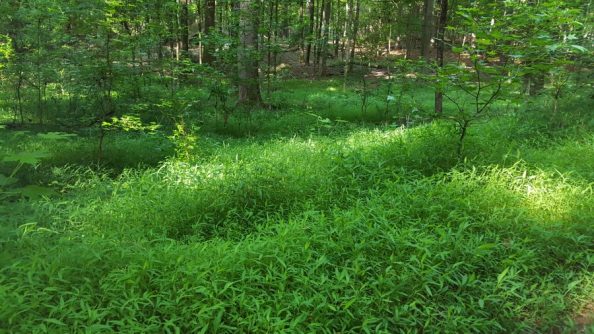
(319, 226)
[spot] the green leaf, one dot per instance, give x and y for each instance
(501, 276)
(34, 191)
(484, 41)
(30, 158)
(579, 48)
(487, 246)
(6, 180)
(573, 284)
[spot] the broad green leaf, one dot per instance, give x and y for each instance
(502, 275)
(29, 158)
(6, 180)
(484, 41)
(580, 48)
(573, 284)
(487, 246)
(34, 191)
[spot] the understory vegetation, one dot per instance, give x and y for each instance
(296, 166)
(324, 225)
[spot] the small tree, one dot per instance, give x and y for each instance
(472, 91)
(477, 81)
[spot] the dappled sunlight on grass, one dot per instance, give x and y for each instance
(546, 198)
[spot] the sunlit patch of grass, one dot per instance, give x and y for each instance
(450, 251)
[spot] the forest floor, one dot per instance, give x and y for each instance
(323, 216)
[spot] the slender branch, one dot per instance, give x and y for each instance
(460, 109)
(493, 96)
(478, 79)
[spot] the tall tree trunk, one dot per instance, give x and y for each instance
(337, 24)
(326, 34)
(185, 28)
(302, 29)
(249, 85)
(354, 35)
(318, 44)
(427, 29)
(411, 31)
(209, 26)
(346, 53)
(275, 37)
(443, 17)
(269, 46)
(346, 31)
(311, 10)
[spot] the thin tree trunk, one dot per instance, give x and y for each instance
(443, 17)
(107, 105)
(427, 29)
(275, 37)
(319, 22)
(311, 10)
(336, 28)
(209, 26)
(347, 33)
(326, 34)
(185, 29)
(354, 35)
(302, 29)
(19, 98)
(249, 86)
(269, 47)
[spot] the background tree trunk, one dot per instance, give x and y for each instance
(209, 25)
(185, 28)
(249, 85)
(354, 35)
(326, 34)
(443, 17)
(427, 29)
(311, 10)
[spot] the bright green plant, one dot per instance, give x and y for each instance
(185, 141)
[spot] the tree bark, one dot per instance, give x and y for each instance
(311, 10)
(337, 24)
(185, 28)
(302, 29)
(348, 62)
(209, 26)
(427, 29)
(247, 54)
(318, 44)
(354, 35)
(443, 17)
(326, 35)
